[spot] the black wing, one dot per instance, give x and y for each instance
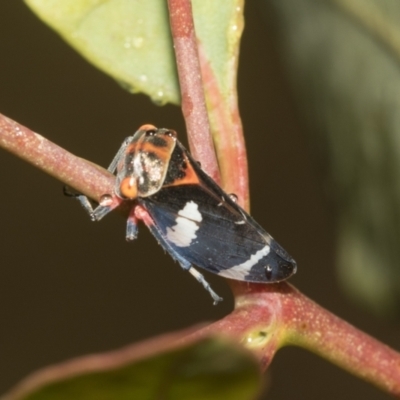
(203, 225)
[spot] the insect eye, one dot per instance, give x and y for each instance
(151, 132)
(171, 134)
(233, 197)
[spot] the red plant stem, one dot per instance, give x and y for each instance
(227, 131)
(314, 328)
(267, 317)
(192, 92)
(76, 172)
(196, 79)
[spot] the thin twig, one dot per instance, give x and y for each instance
(227, 129)
(197, 79)
(314, 328)
(192, 92)
(85, 177)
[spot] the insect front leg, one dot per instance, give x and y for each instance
(107, 202)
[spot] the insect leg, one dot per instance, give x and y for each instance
(131, 226)
(109, 203)
(206, 285)
(87, 205)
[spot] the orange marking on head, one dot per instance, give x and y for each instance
(163, 153)
(190, 177)
(147, 127)
(128, 188)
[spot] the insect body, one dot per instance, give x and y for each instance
(189, 214)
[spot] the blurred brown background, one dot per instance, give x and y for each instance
(70, 287)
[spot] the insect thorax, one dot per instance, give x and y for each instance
(144, 166)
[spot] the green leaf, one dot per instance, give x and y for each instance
(343, 59)
(208, 369)
(131, 41)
